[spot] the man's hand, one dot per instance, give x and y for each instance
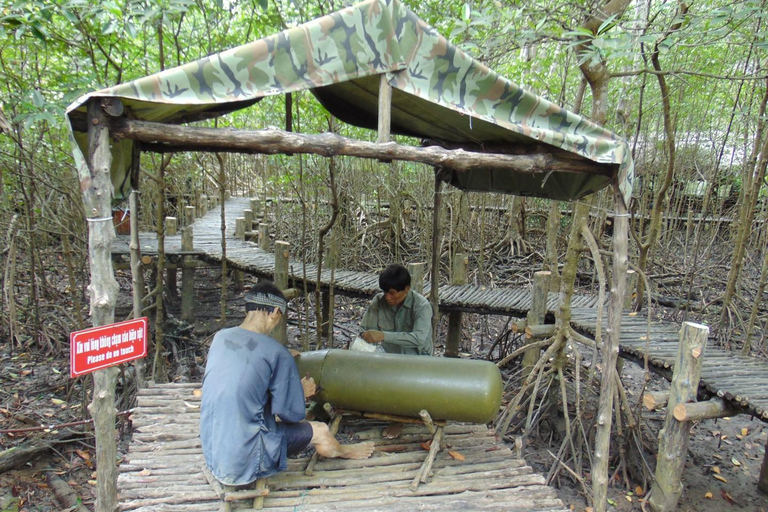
(309, 386)
(373, 336)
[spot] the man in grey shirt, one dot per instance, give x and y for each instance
(399, 318)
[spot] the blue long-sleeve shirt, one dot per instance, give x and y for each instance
(249, 379)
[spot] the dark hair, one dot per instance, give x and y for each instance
(265, 296)
(395, 277)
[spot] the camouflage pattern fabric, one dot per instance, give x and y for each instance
(460, 99)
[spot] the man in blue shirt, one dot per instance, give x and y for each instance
(252, 412)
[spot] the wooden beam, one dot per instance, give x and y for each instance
(710, 409)
(160, 137)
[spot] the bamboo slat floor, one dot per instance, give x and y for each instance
(738, 379)
(163, 468)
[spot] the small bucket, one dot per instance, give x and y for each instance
(122, 221)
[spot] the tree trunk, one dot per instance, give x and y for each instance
(551, 263)
(660, 198)
(96, 186)
(598, 76)
(753, 181)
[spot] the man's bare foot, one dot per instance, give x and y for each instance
(356, 451)
(393, 430)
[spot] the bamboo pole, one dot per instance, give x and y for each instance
(458, 277)
(673, 438)
(96, 185)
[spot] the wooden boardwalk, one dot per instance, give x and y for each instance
(163, 468)
(743, 381)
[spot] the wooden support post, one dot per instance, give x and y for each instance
(427, 419)
(385, 109)
(171, 226)
(202, 207)
(263, 236)
(434, 295)
(281, 281)
(762, 482)
(137, 277)
(171, 280)
(189, 215)
(255, 207)
(248, 214)
(426, 467)
(240, 228)
(187, 276)
(673, 438)
(417, 277)
(261, 485)
(536, 316)
(458, 277)
(631, 285)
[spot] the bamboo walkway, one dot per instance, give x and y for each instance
(738, 379)
(476, 471)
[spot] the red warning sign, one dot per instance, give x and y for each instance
(105, 346)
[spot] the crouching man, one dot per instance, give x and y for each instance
(252, 412)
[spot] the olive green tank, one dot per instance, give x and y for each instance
(449, 389)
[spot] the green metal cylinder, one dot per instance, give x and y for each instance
(449, 389)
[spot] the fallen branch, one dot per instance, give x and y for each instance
(55, 427)
(64, 494)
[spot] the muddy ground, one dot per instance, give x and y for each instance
(37, 397)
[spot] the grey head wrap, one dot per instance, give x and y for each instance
(254, 300)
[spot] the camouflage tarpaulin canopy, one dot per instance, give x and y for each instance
(440, 94)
